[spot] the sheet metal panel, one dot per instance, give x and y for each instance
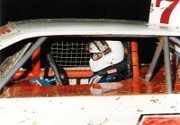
(49, 27)
(85, 110)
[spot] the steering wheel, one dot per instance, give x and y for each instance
(60, 73)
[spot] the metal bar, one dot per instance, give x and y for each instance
(174, 51)
(22, 61)
(175, 40)
(154, 60)
(54, 67)
(167, 66)
(135, 58)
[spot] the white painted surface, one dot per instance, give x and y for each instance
(156, 12)
(50, 27)
(85, 110)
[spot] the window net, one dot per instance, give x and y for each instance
(70, 54)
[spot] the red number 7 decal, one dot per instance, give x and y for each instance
(167, 12)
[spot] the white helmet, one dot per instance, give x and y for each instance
(104, 54)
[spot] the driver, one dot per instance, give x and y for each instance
(107, 61)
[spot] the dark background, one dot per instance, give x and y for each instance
(12, 10)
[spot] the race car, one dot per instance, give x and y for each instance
(50, 61)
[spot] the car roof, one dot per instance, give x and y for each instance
(19, 30)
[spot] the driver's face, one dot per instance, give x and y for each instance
(96, 56)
